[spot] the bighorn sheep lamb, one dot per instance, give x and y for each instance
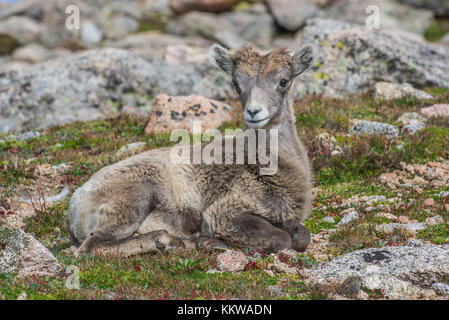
(146, 202)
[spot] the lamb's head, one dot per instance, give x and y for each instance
(262, 81)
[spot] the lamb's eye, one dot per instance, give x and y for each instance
(283, 82)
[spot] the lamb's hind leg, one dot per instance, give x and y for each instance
(114, 222)
(150, 242)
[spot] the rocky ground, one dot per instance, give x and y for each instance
(373, 112)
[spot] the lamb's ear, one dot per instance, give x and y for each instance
(220, 58)
(302, 59)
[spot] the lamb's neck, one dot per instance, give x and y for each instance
(289, 143)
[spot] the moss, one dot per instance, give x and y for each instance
(152, 23)
(436, 30)
(7, 44)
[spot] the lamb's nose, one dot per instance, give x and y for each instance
(253, 112)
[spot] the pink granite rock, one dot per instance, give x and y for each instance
(232, 261)
(437, 110)
(172, 113)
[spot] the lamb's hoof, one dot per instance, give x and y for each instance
(210, 244)
(166, 241)
(301, 238)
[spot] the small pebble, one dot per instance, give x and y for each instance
(440, 288)
(348, 218)
(415, 243)
(274, 291)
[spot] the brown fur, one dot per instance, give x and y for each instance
(146, 202)
(251, 62)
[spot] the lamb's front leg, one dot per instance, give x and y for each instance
(299, 234)
(232, 220)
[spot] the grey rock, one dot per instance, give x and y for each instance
(90, 34)
(274, 291)
(393, 15)
(22, 136)
(352, 59)
(118, 27)
(329, 219)
(411, 117)
(114, 8)
(157, 8)
(26, 256)
(32, 53)
(372, 127)
(415, 243)
(213, 271)
(92, 85)
(22, 296)
(444, 194)
(376, 198)
(391, 227)
(412, 128)
(400, 272)
(440, 288)
(347, 218)
(252, 27)
(445, 39)
(292, 14)
(388, 91)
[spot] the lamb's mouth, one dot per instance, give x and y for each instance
(256, 121)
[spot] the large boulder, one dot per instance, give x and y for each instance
(398, 272)
(351, 58)
(25, 256)
(292, 14)
(94, 84)
(393, 15)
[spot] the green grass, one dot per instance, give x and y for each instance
(437, 234)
